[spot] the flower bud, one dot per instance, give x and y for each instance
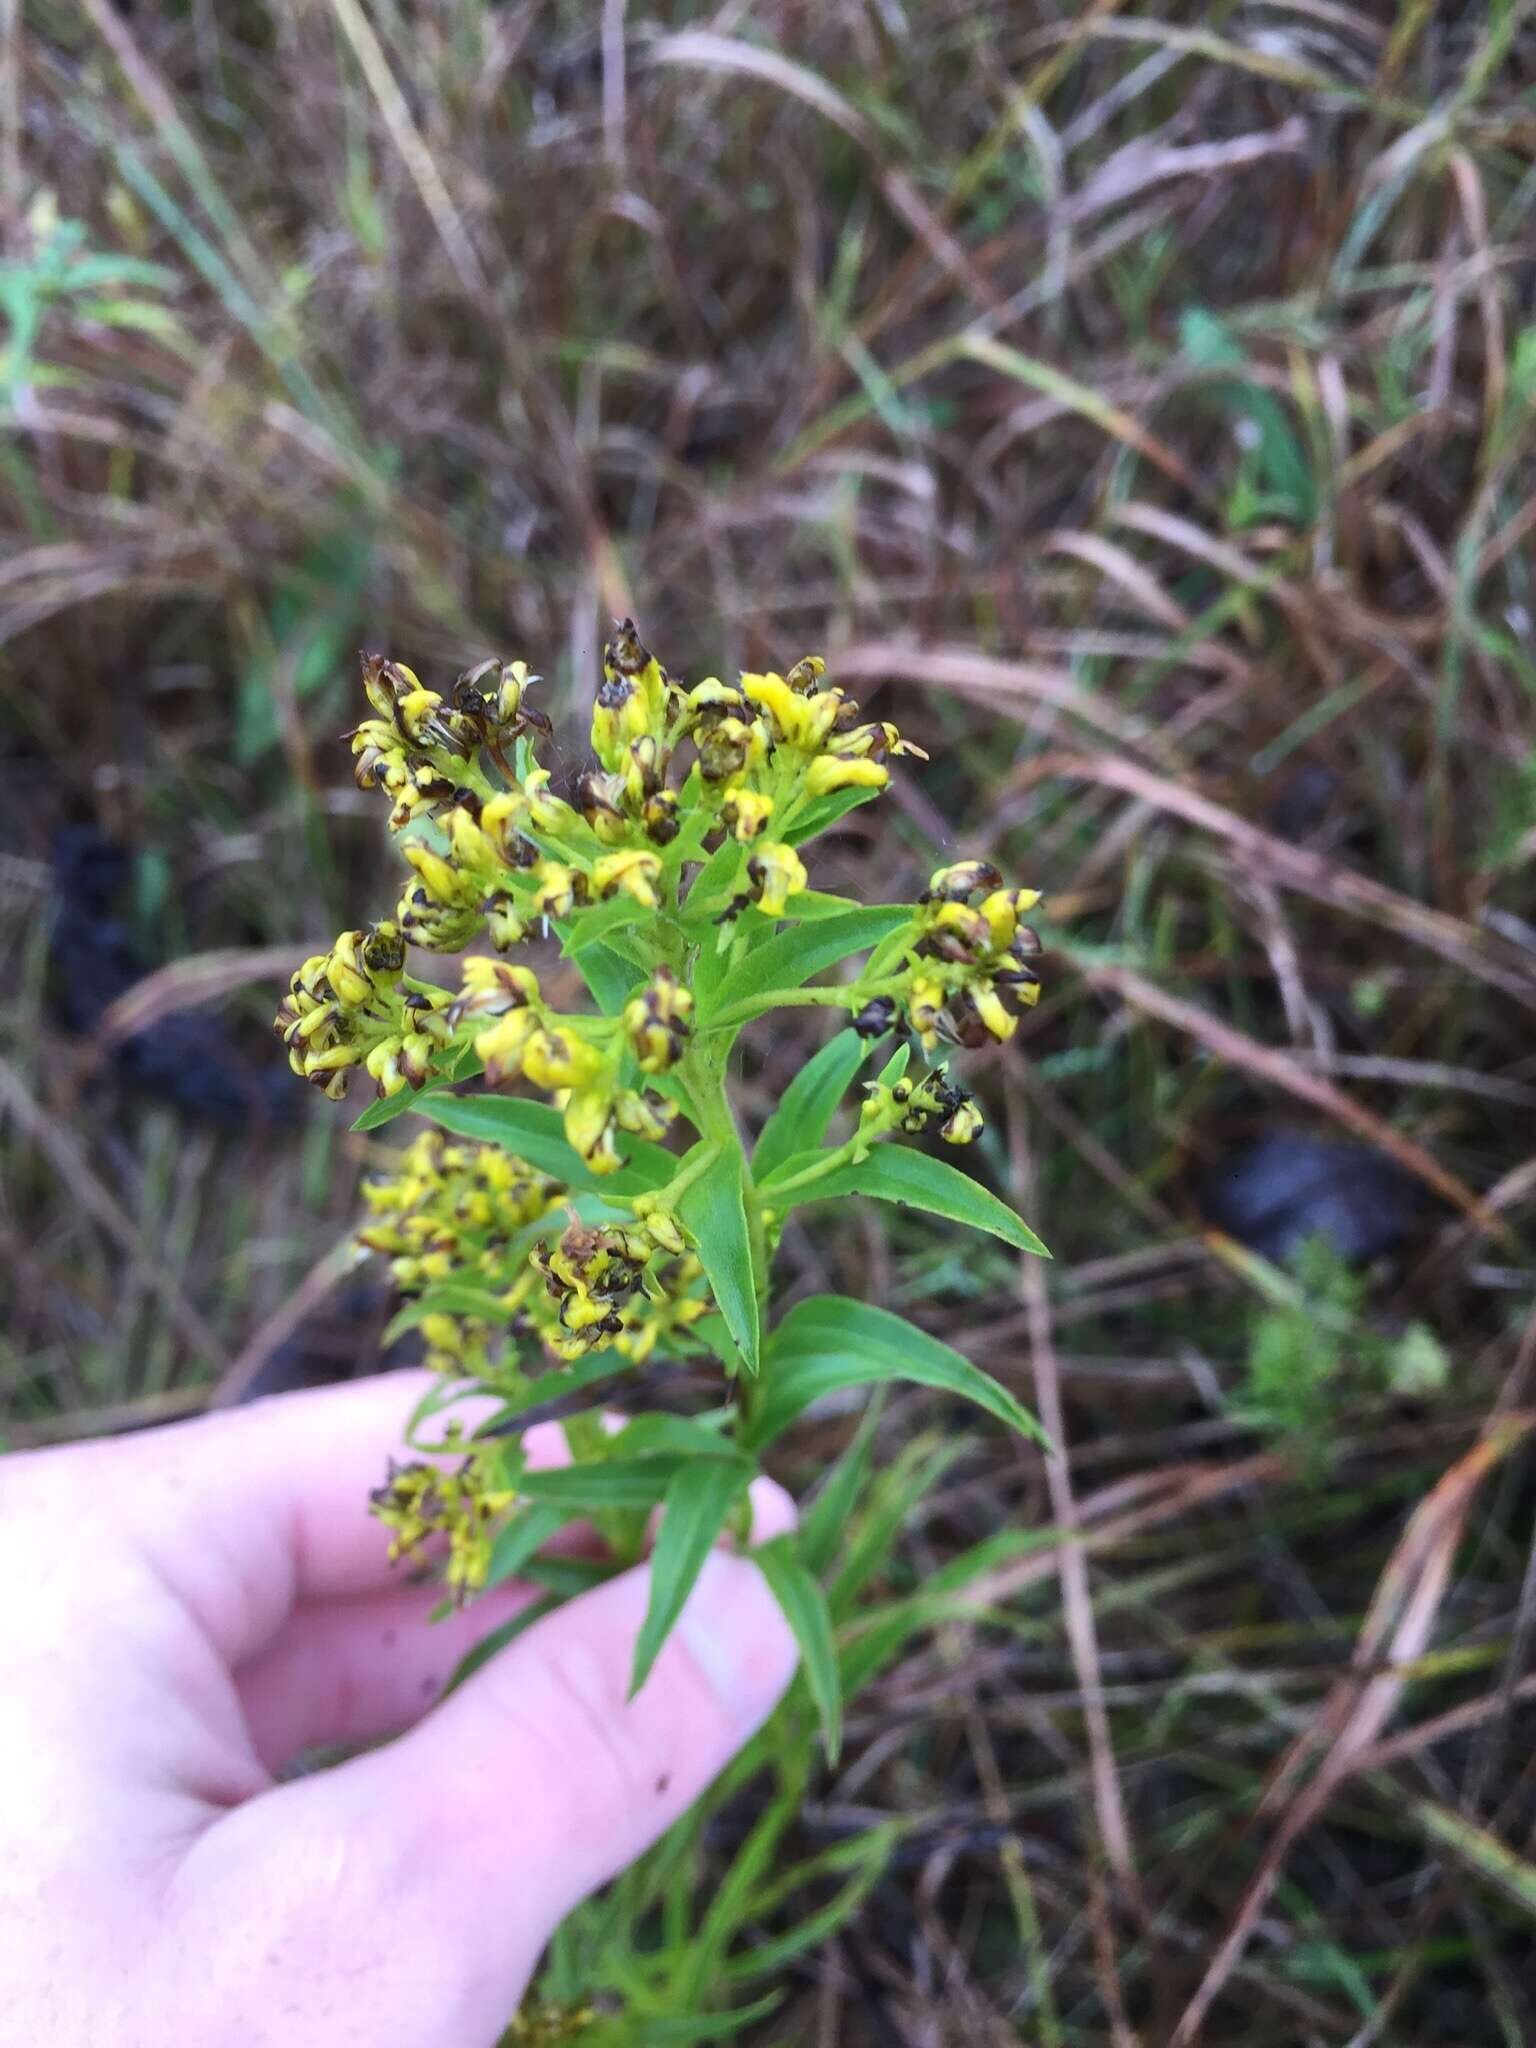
(589, 1128)
(553, 1058)
(659, 817)
(776, 873)
(829, 772)
(876, 1018)
(632, 873)
(746, 811)
(656, 1022)
(501, 1046)
(957, 884)
(560, 889)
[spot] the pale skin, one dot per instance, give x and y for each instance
(186, 1611)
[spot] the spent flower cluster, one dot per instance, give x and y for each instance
(583, 1205)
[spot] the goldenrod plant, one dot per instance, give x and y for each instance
(550, 1243)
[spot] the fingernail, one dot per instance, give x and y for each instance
(739, 1639)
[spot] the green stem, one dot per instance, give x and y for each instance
(852, 995)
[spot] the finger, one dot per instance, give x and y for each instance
(540, 1780)
(340, 1672)
(350, 1671)
(343, 1672)
(256, 1511)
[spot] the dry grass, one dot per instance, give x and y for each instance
(1140, 397)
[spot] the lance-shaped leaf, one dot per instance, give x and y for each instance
(536, 1132)
(805, 1609)
(830, 1342)
(808, 1103)
(790, 958)
(693, 1512)
(895, 1173)
(713, 1209)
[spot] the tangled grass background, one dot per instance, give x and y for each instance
(1135, 403)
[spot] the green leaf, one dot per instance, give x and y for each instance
(826, 1521)
(556, 1384)
(387, 1107)
(713, 1210)
(831, 1342)
(605, 1483)
(895, 1173)
(823, 812)
(611, 978)
(810, 1620)
(521, 1537)
(536, 1132)
(810, 906)
(591, 925)
(693, 1513)
(807, 1104)
(895, 1066)
(687, 1436)
(716, 883)
(790, 958)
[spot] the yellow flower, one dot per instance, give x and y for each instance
(776, 872)
(656, 1022)
(559, 1059)
(746, 812)
(835, 771)
(631, 873)
(501, 1047)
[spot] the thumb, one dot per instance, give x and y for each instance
(535, 1783)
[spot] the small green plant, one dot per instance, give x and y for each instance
(548, 1247)
(1313, 1353)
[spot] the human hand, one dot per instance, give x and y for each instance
(188, 1609)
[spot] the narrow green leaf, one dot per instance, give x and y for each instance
(536, 1132)
(556, 1384)
(823, 812)
(611, 978)
(716, 882)
(807, 1104)
(831, 1342)
(386, 1108)
(895, 1173)
(805, 1609)
(826, 1521)
(697, 1501)
(587, 927)
(811, 906)
(714, 1212)
(606, 1483)
(687, 1436)
(521, 1537)
(895, 1066)
(790, 958)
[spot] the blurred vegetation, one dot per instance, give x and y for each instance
(1136, 398)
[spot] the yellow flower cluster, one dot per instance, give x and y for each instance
(452, 1211)
(467, 1505)
(970, 944)
(912, 1106)
(349, 1008)
(469, 1214)
(493, 851)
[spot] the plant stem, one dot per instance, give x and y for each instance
(851, 995)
